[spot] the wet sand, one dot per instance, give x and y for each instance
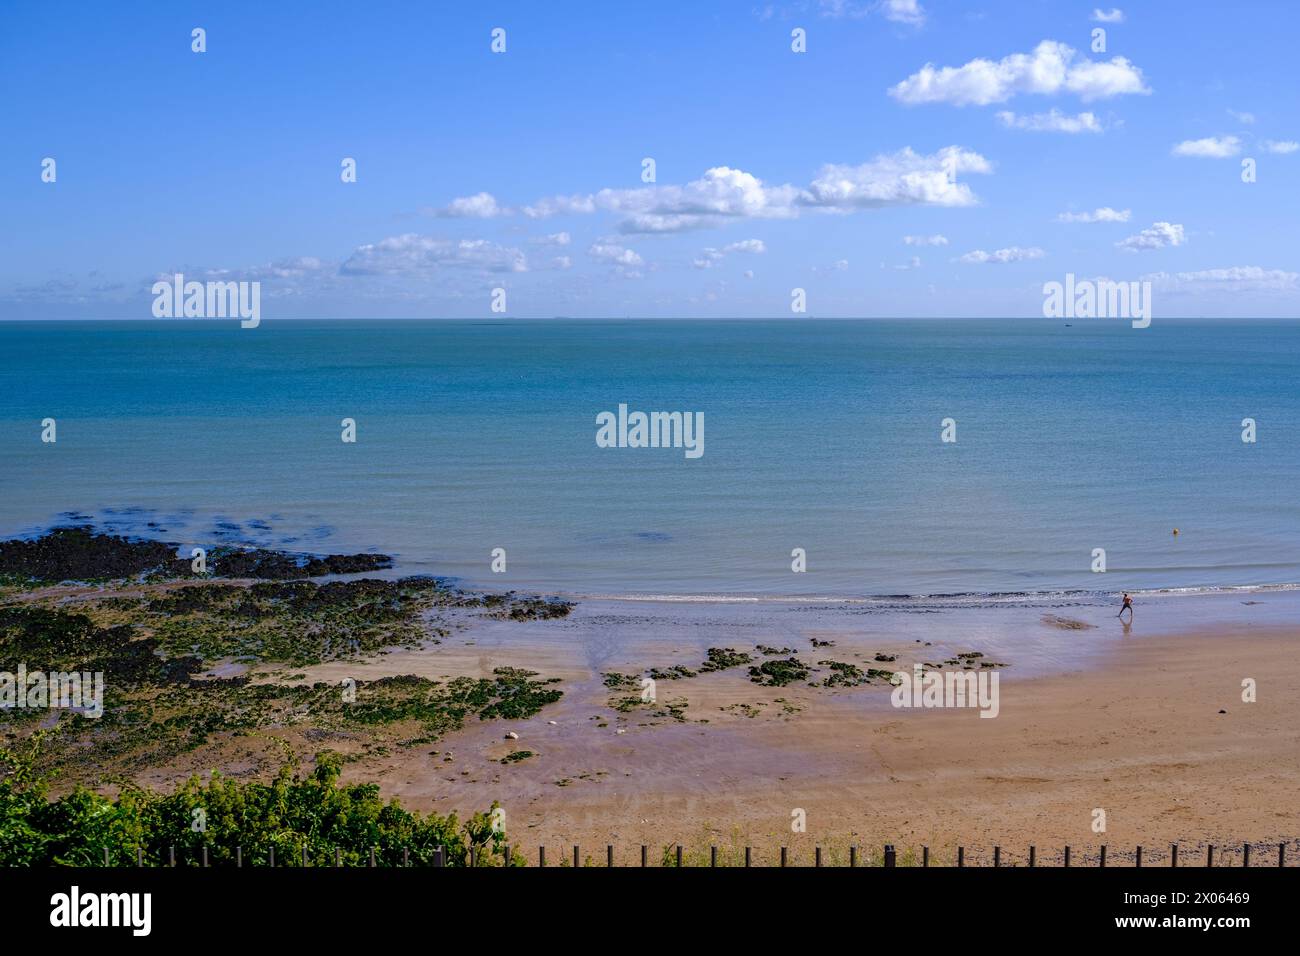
(1092, 716)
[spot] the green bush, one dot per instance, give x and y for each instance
(290, 813)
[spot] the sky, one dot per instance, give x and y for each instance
(915, 157)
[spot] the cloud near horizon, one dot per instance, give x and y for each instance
(723, 194)
(1234, 279)
(411, 254)
(999, 256)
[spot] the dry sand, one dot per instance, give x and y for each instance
(1132, 727)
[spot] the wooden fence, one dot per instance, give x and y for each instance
(675, 857)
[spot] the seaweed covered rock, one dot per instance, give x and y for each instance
(80, 554)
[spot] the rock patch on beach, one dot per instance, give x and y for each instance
(79, 553)
(190, 662)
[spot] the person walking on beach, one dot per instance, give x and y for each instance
(1128, 606)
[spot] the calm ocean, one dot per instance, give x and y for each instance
(821, 435)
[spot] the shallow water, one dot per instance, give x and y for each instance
(819, 435)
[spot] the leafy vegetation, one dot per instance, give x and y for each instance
(291, 814)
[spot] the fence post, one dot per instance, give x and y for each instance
(853, 855)
(1139, 856)
(1067, 856)
(609, 854)
(925, 856)
(1103, 855)
(783, 856)
(139, 856)
(747, 851)
(889, 855)
(106, 856)
(961, 856)
(713, 856)
(643, 855)
(1281, 854)
(1245, 854)
(1173, 855)
(576, 864)
(272, 857)
(997, 856)
(171, 855)
(679, 856)
(1031, 856)
(1209, 855)
(205, 855)
(239, 855)
(473, 855)
(541, 856)
(817, 856)
(438, 853)
(304, 854)
(372, 856)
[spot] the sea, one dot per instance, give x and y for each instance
(964, 460)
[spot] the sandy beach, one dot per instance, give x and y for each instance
(1147, 725)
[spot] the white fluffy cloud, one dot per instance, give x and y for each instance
(1052, 68)
(901, 178)
(478, 206)
(411, 254)
(1157, 236)
(1280, 146)
(1010, 254)
(604, 250)
(897, 179)
(721, 193)
(1212, 147)
(935, 240)
(1113, 15)
(560, 206)
(1053, 121)
(1103, 214)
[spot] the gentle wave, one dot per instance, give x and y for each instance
(952, 600)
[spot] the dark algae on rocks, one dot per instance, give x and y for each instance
(195, 664)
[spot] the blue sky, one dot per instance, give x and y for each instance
(774, 170)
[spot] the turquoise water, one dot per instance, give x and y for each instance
(476, 435)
